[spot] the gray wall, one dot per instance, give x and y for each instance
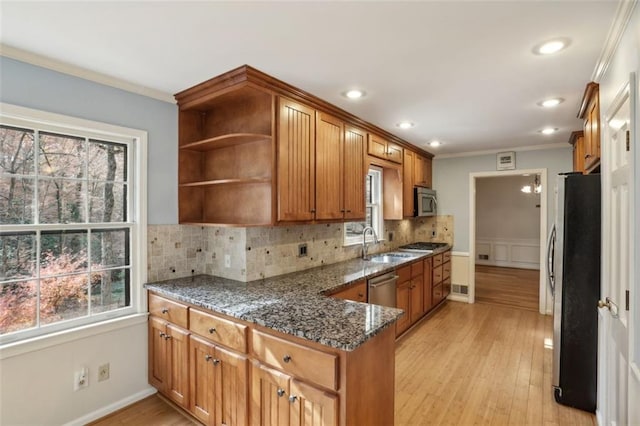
(39, 88)
(451, 180)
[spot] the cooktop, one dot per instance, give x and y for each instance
(422, 246)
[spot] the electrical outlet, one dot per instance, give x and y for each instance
(81, 379)
(433, 233)
(227, 261)
(302, 250)
(103, 372)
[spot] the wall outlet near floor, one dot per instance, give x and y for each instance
(103, 372)
(227, 261)
(81, 379)
(302, 250)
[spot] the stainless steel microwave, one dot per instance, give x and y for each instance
(424, 202)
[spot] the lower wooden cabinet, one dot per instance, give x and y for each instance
(356, 292)
(169, 360)
(403, 301)
(219, 384)
(279, 400)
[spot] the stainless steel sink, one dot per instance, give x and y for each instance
(390, 257)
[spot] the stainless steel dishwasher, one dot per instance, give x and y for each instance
(382, 289)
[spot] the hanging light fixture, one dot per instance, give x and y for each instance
(535, 187)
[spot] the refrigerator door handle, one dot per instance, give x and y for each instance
(550, 263)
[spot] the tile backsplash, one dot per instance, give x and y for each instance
(262, 252)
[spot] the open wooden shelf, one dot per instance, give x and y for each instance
(224, 141)
(228, 182)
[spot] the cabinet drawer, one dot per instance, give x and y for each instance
(437, 275)
(299, 361)
(437, 260)
(404, 274)
(219, 330)
(356, 292)
(446, 270)
(437, 293)
(446, 256)
(417, 268)
(173, 312)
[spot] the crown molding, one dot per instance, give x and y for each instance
(76, 71)
(619, 24)
(558, 145)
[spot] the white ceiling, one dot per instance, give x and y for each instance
(463, 71)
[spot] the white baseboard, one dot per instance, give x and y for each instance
(101, 412)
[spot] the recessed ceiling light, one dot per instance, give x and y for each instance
(549, 130)
(435, 144)
(551, 46)
(550, 103)
(405, 124)
(354, 94)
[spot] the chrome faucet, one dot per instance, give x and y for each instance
(365, 248)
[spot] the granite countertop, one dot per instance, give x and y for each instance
(295, 303)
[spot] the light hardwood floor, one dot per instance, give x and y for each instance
(508, 286)
(466, 364)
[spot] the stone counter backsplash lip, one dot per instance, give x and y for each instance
(295, 303)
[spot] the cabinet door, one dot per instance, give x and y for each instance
(428, 172)
(377, 147)
(329, 167)
(416, 299)
(269, 396)
(158, 368)
(311, 406)
(394, 153)
(418, 170)
(427, 287)
(407, 184)
(178, 362)
(403, 300)
(592, 134)
(232, 388)
(296, 162)
(202, 371)
(355, 172)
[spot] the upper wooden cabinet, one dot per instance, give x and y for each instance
(577, 142)
(296, 161)
(416, 172)
(590, 113)
(378, 147)
(254, 151)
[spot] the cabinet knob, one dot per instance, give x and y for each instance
(281, 392)
(341, 210)
(360, 295)
(216, 361)
(207, 357)
(286, 358)
(292, 399)
(212, 330)
(167, 337)
(587, 156)
(348, 211)
(162, 334)
(313, 210)
(165, 310)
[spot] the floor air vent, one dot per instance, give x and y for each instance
(459, 289)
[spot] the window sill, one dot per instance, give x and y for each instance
(42, 342)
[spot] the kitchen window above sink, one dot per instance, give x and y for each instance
(373, 196)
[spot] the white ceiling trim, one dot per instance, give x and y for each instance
(65, 68)
(619, 24)
(558, 145)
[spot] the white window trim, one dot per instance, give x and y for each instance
(17, 115)
(379, 227)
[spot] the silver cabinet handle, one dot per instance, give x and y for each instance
(207, 357)
(212, 330)
(286, 358)
(162, 334)
(216, 361)
(165, 310)
(167, 337)
(281, 392)
(292, 399)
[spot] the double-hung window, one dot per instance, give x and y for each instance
(70, 219)
(373, 200)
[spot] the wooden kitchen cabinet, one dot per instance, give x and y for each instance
(410, 295)
(381, 148)
(427, 297)
(407, 184)
(441, 276)
(169, 360)
(421, 171)
(219, 384)
(356, 292)
(329, 168)
(590, 113)
(280, 400)
(577, 143)
(417, 289)
(355, 171)
(296, 162)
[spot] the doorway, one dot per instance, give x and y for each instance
(506, 262)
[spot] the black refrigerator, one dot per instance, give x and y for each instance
(573, 258)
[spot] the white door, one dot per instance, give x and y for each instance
(618, 378)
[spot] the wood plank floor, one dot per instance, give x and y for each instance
(513, 287)
(467, 364)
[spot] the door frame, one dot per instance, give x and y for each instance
(542, 293)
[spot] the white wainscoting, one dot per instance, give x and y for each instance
(510, 253)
